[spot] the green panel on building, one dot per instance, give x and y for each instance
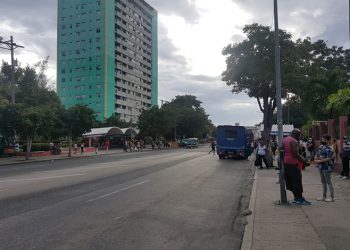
(87, 56)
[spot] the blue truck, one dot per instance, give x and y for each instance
(232, 142)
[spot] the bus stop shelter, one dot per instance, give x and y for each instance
(109, 132)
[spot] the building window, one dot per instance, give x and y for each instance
(98, 30)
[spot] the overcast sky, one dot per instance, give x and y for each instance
(192, 34)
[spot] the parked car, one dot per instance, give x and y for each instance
(192, 143)
(189, 143)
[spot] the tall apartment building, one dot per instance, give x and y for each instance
(107, 56)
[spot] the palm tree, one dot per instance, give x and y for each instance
(3, 101)
(340, 101)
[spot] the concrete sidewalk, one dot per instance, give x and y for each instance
(322, 225)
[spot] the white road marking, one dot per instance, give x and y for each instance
(80, 169)
(118, 191)
(42, 178)
(117, 218)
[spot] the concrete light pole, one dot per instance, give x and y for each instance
(279, 105)
(10, 45)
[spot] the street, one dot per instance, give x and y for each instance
(167, 199)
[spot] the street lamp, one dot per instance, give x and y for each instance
(10, 45)
(279, 105)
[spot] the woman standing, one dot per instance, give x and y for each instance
(261, 154)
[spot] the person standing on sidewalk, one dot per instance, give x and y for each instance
(97, 145)
(311, 148)
(82, 148)
(108, 144)
(345, 155)
(292, 173)
(324, 161)
(261, 154)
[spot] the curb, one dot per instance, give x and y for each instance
(249, 228)
(55, 159)
(67, 158)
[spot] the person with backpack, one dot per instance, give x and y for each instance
(325, 163)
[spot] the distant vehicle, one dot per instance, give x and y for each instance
(183, 143)
(189, 143)
(231, 142)
(192, 143)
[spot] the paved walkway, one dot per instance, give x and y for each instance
(322, 225)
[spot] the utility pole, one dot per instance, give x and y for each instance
(279, 105)
(10, 45)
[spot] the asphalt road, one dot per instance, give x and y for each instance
(170, 199)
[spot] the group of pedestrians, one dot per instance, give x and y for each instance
(133, 145)
(299, 154)
(324, 158)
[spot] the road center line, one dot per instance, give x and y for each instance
(42, 178)
(118, 191)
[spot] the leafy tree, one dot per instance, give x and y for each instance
(31, 86)
(298, 115)
(76, 121)
(188, 116)
(32, 94)
(154, 122)
(340, 102)
(325, 71)
(3, 101)
(115, 120)
(183, 116)
(25, 121)
(250, 68)
(310, 70)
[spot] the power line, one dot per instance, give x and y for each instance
(10, 45)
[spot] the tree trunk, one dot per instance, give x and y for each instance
(69, 146)
(29, 147)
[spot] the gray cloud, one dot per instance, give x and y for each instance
(34, 21)
(184, 8)
(320, 19)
